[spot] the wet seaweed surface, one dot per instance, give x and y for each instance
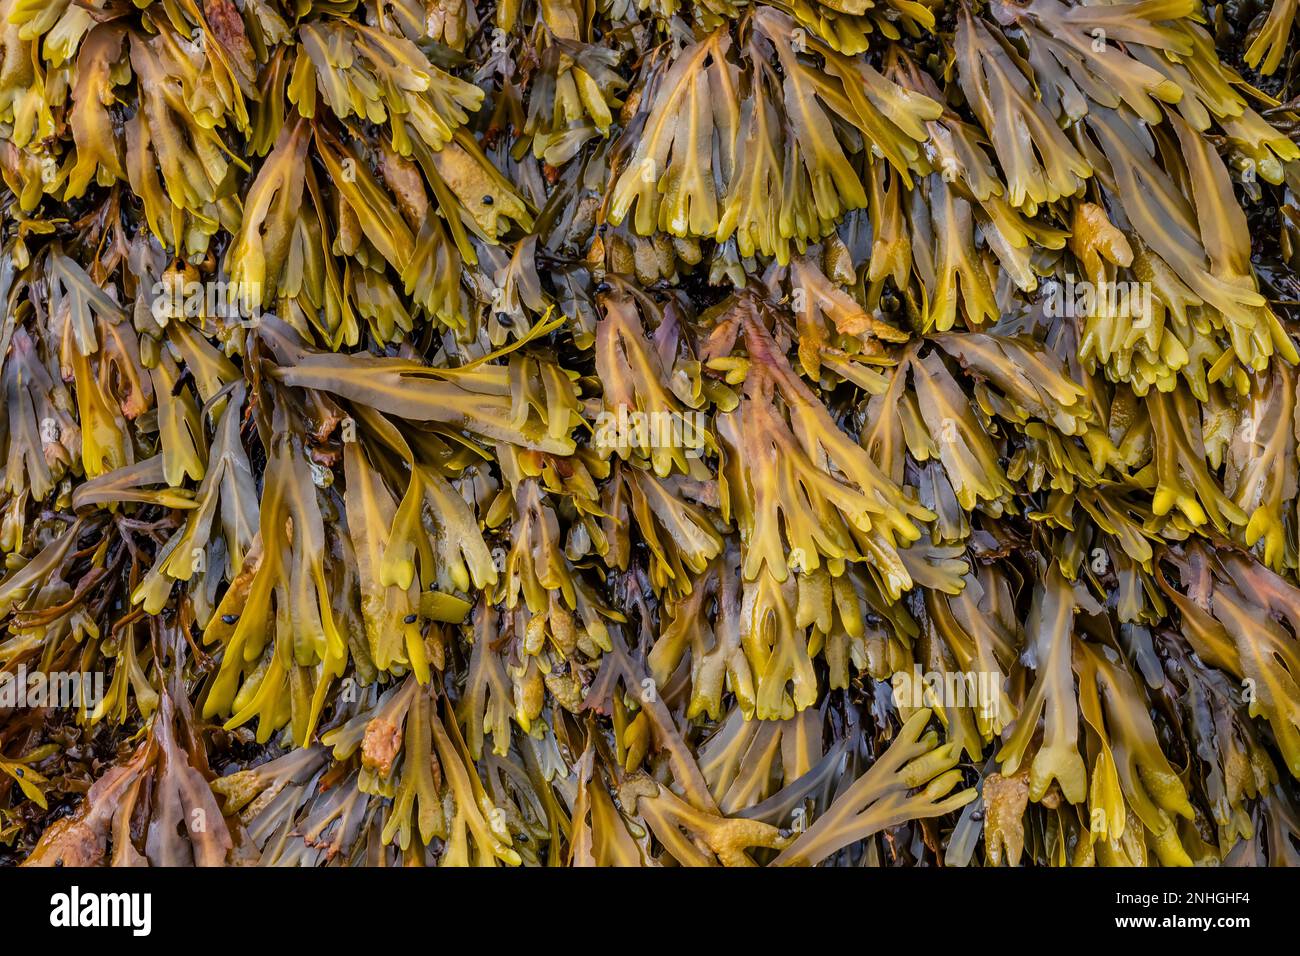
(787, 432)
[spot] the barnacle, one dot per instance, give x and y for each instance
(660, 433)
